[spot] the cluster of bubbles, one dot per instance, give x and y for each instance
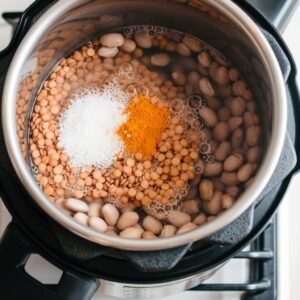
(150, 31)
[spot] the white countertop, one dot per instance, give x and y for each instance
(289, 220)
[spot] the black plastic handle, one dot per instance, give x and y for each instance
(16, 284)
(278, 12)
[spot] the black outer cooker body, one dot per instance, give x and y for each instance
(31, 230)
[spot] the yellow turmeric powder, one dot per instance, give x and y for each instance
(146, 122)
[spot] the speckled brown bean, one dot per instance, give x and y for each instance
(213, 206)
(191, 206)
(206, 87)
(129, 46)
(204, 59)
(111, 40)
(229, 178)
(223, 150)
(233, 191)
(131, 233)
(252, 136)
(183, 50)
(221, 76)
(192, 43)
(235, 123)
(253, 154)
(160, 59)
(245, 172)
(237, 138)
(127, 219)
(143, 40)
(152, 224)
(111, 214)
(178, 218)
(227, 201)
(200, 219)
(224, 114)
(206, 189)
(209, 116)
(168, 230)
(213, 169)
(187, 227)
(149, 235)
(221, 131)
(238, 106)
(179, 78)
(233, 162)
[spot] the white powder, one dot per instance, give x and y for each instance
(88, 127)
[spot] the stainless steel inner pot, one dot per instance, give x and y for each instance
(70, 23)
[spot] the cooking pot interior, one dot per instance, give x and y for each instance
(88, 19)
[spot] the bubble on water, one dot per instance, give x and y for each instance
(211, 158)
(34, 170)
(194, 101)
(177, 106)
(205, 148)
(130, 75)
(144, 91)
(89, 44)
(126, 67)
(199, 167)
(131, 90)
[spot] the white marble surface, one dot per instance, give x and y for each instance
(289, 225)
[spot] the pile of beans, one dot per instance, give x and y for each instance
(208, 154)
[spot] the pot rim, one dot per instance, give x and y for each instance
(262, 177)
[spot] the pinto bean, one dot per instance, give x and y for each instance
(224, 114)
(227, 201)
(168, 230)
(98, 224)
(200, 219)
(143, 40)
(233, 191)
(223, 150)
(178, 218)
(233, 162)
(204, 59)
(206, 87)
(238, 106)
(229, 178)
(81, 218)
(245, 172)
(183, 49)
(192, 43)
(213, 206)
(221, 76)
(149, 235)
(108, 52)
(179, 78)
(237, 138)
(191, 206)
(112, 40)
(129, 46)
(253, 154)
(160, 60)
(111, 214)
(253, 135)
(213, 169)
(76, 205)
(127, 219)
(208, 116)
(187, 227)
(206, 189)
(221, 131)
(152, 224)
(131, 233)
(235, 123)
(95, 209)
